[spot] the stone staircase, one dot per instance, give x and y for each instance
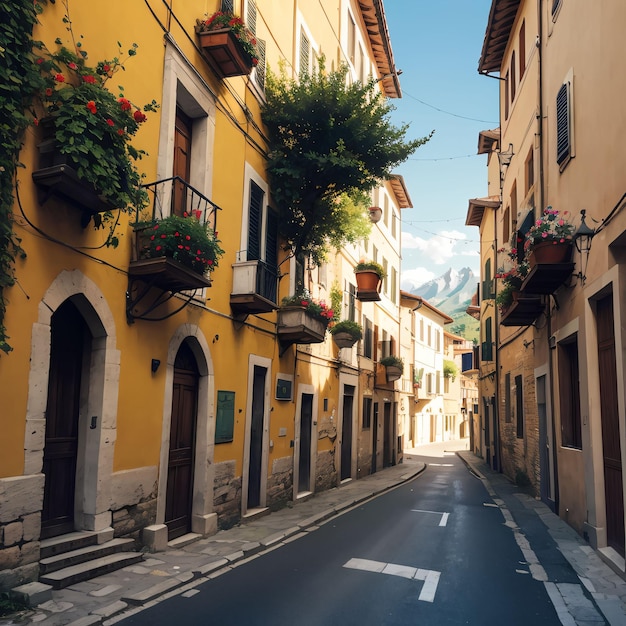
(79, 556)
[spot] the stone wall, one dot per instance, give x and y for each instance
(20, 527)
(280, 483)
(227, 495)
(326, 472)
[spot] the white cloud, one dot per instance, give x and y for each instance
(439, 249)
(416, 277)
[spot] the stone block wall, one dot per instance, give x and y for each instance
(280, 483)
(227, 495)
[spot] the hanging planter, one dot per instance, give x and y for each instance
(369, 276)
(550, 251)
(375, 213)
(346, 333)
(228, 44)
(394, 367)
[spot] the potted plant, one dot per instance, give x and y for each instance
(86, 155)
(511, 274)
(346, 333)
(549, 239)
(228, 44)
(180, 252)
(302, 319)
(369, 276)
(394, 367)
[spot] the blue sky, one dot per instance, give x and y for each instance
(437, 46)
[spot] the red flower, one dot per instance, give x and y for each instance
(180, 247)
(72, 66)
(187, 248)
(187, 237)
(198, 214)
(89, 79)
(163, 236)
(209, 262)
(158, 248)
(91, 105)
(59, 78)
(36, 122)
(176, 234)
(110, 122)
(120, 131)
(39, 61)
(152, 238)
(139, 117)
(106, 67)
(125, 104)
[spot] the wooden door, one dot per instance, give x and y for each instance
(306, 425)
(611, 449)
(69, 344)
(374, 438)
(387, 436)
(256, 437)
(180, 472)
(182, 161)
(346, 432)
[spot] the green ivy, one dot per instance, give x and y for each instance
(20, 81)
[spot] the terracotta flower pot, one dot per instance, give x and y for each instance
(549, 252)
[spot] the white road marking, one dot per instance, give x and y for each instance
(490, 504)
(430, 577)
(444, 516)
(441, 464)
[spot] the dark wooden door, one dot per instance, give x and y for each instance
(182, 161)
(611, 449)
(69, 344)
(346, 432)
(387, 436)
(306, 423)
(182, 444)
(256, 437)
(375, 438)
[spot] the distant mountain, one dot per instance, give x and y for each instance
(452, 293)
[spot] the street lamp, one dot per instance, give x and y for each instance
(583, 237)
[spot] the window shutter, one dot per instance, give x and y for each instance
(304, 53)
(259, 74)
(251, 16)
(271, 239)
(255, 211)
(228, 6)
(562, 124)
(519, 398)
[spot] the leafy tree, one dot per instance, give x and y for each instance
(330, 142)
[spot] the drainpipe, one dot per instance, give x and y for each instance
(541, 203)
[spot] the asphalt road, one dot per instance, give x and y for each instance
(433, 551)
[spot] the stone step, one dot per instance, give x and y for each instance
(88, 553)
(85, 571)
(67, 543)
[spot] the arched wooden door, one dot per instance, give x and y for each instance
(70, 345)
(182, 444)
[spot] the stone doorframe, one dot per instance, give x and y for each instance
(203, 519)
(95, 444)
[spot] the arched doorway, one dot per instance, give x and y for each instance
(69, 352)
(182, 443)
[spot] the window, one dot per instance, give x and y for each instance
(351, 302)
(367, 412)
(351, 38)
(422, 330)
(506, 96)
(437, 340)
(394, 225)
(522, 50)
(394, 284)
(556, 5)
(506, 224)
(228, 6)
(438, 382)
(507, 397)
(487, 347)
(569, 395)
(563, 125)
(305, 53)
(368, 338)
(386, 210)
(530, 171)
(513, 78)
(487, 293)
(513, 197)
(429, 340)
(519, 406)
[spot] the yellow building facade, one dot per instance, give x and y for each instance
(140, 402)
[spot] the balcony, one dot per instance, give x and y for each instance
(176, 206)
(523, 311)
(255, 285)
(297, 325)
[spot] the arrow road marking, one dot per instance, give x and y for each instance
(430, 577)
(444, 516)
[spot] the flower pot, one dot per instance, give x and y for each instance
(393, 372)
(550, 252)
(296, 325)
(225, 53)
(344, 340)
(375, 214)
(368, 285)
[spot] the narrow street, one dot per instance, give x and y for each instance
(435, 550)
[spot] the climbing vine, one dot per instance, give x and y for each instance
(20, 81)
